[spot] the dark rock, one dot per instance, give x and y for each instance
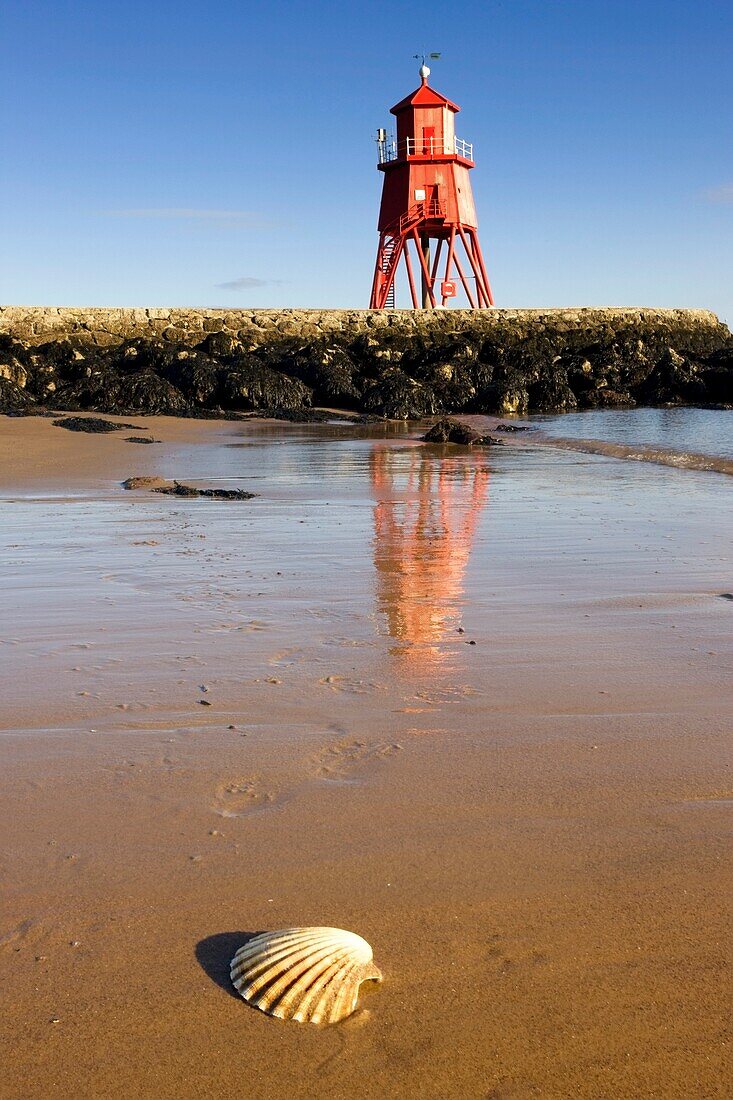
(329, 371)
(439, 349)
(502, 398)
(13, 399)
(227, 494)
(453, 431)
(395, 364)
(220, 345)
(450, 365)
(94, 424)
(140, 439)
(276, 352)
(377, 351)
(10, 348)
(551, 392)
(513, 428)
(178, 489)
(251, 385)
(146, 392)
(60, 365)
(142, 392)
(197, 377)
(77, 397)
(144, 483)
(604, 398)
(717, 377)
(721, 359)
(12, 366)
(674, 381)
(304, 416)
(135, 356)
(397, 397)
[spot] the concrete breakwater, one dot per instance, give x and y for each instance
(394, 363)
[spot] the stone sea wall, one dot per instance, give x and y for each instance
(396, 363)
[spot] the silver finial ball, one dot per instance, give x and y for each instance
(424, 72)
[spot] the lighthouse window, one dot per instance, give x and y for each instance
(419, 195)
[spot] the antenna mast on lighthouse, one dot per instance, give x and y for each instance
(426, 198)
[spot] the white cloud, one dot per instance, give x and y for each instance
(247, 282)
(722, 194)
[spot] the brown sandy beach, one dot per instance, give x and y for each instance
(533, 832)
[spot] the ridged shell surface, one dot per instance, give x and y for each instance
(306, 974)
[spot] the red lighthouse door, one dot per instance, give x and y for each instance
(428, 141)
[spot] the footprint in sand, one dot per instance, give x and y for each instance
(286, 657)
(339, 760)
(239, 797)
(512, 1091)
(17, 934)
(348, 685)
(502, 962)
(445, 695)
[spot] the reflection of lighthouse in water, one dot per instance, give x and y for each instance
(425, 517)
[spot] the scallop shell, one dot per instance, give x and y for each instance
(304, 974)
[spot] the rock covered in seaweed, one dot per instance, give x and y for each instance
(146, 392)
(180, 489)
(139, 392)
(197, 377)
(718, 377)
(453, 431)
(250, 385)
(12, 367)
(93, 425)
(396, 364)
(329, 371)
(13, 398)
(149, 483)
(396, 396)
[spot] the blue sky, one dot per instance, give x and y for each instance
(222, 154)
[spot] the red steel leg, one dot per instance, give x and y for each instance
(424, 266)
(480, 258)
(436, 261)
(480, 289)
(481, 296)
(376, 281)
(408, 265)
(459, 269)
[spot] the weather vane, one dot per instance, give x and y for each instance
(426, 57)
(424, 70)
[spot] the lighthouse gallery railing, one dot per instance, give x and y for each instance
(427, 147)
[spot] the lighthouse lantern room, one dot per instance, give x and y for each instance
(427, 207)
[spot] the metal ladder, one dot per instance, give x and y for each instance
(387, 253)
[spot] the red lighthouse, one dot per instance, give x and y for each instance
(427, 197)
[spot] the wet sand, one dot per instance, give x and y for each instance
(533, 832)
